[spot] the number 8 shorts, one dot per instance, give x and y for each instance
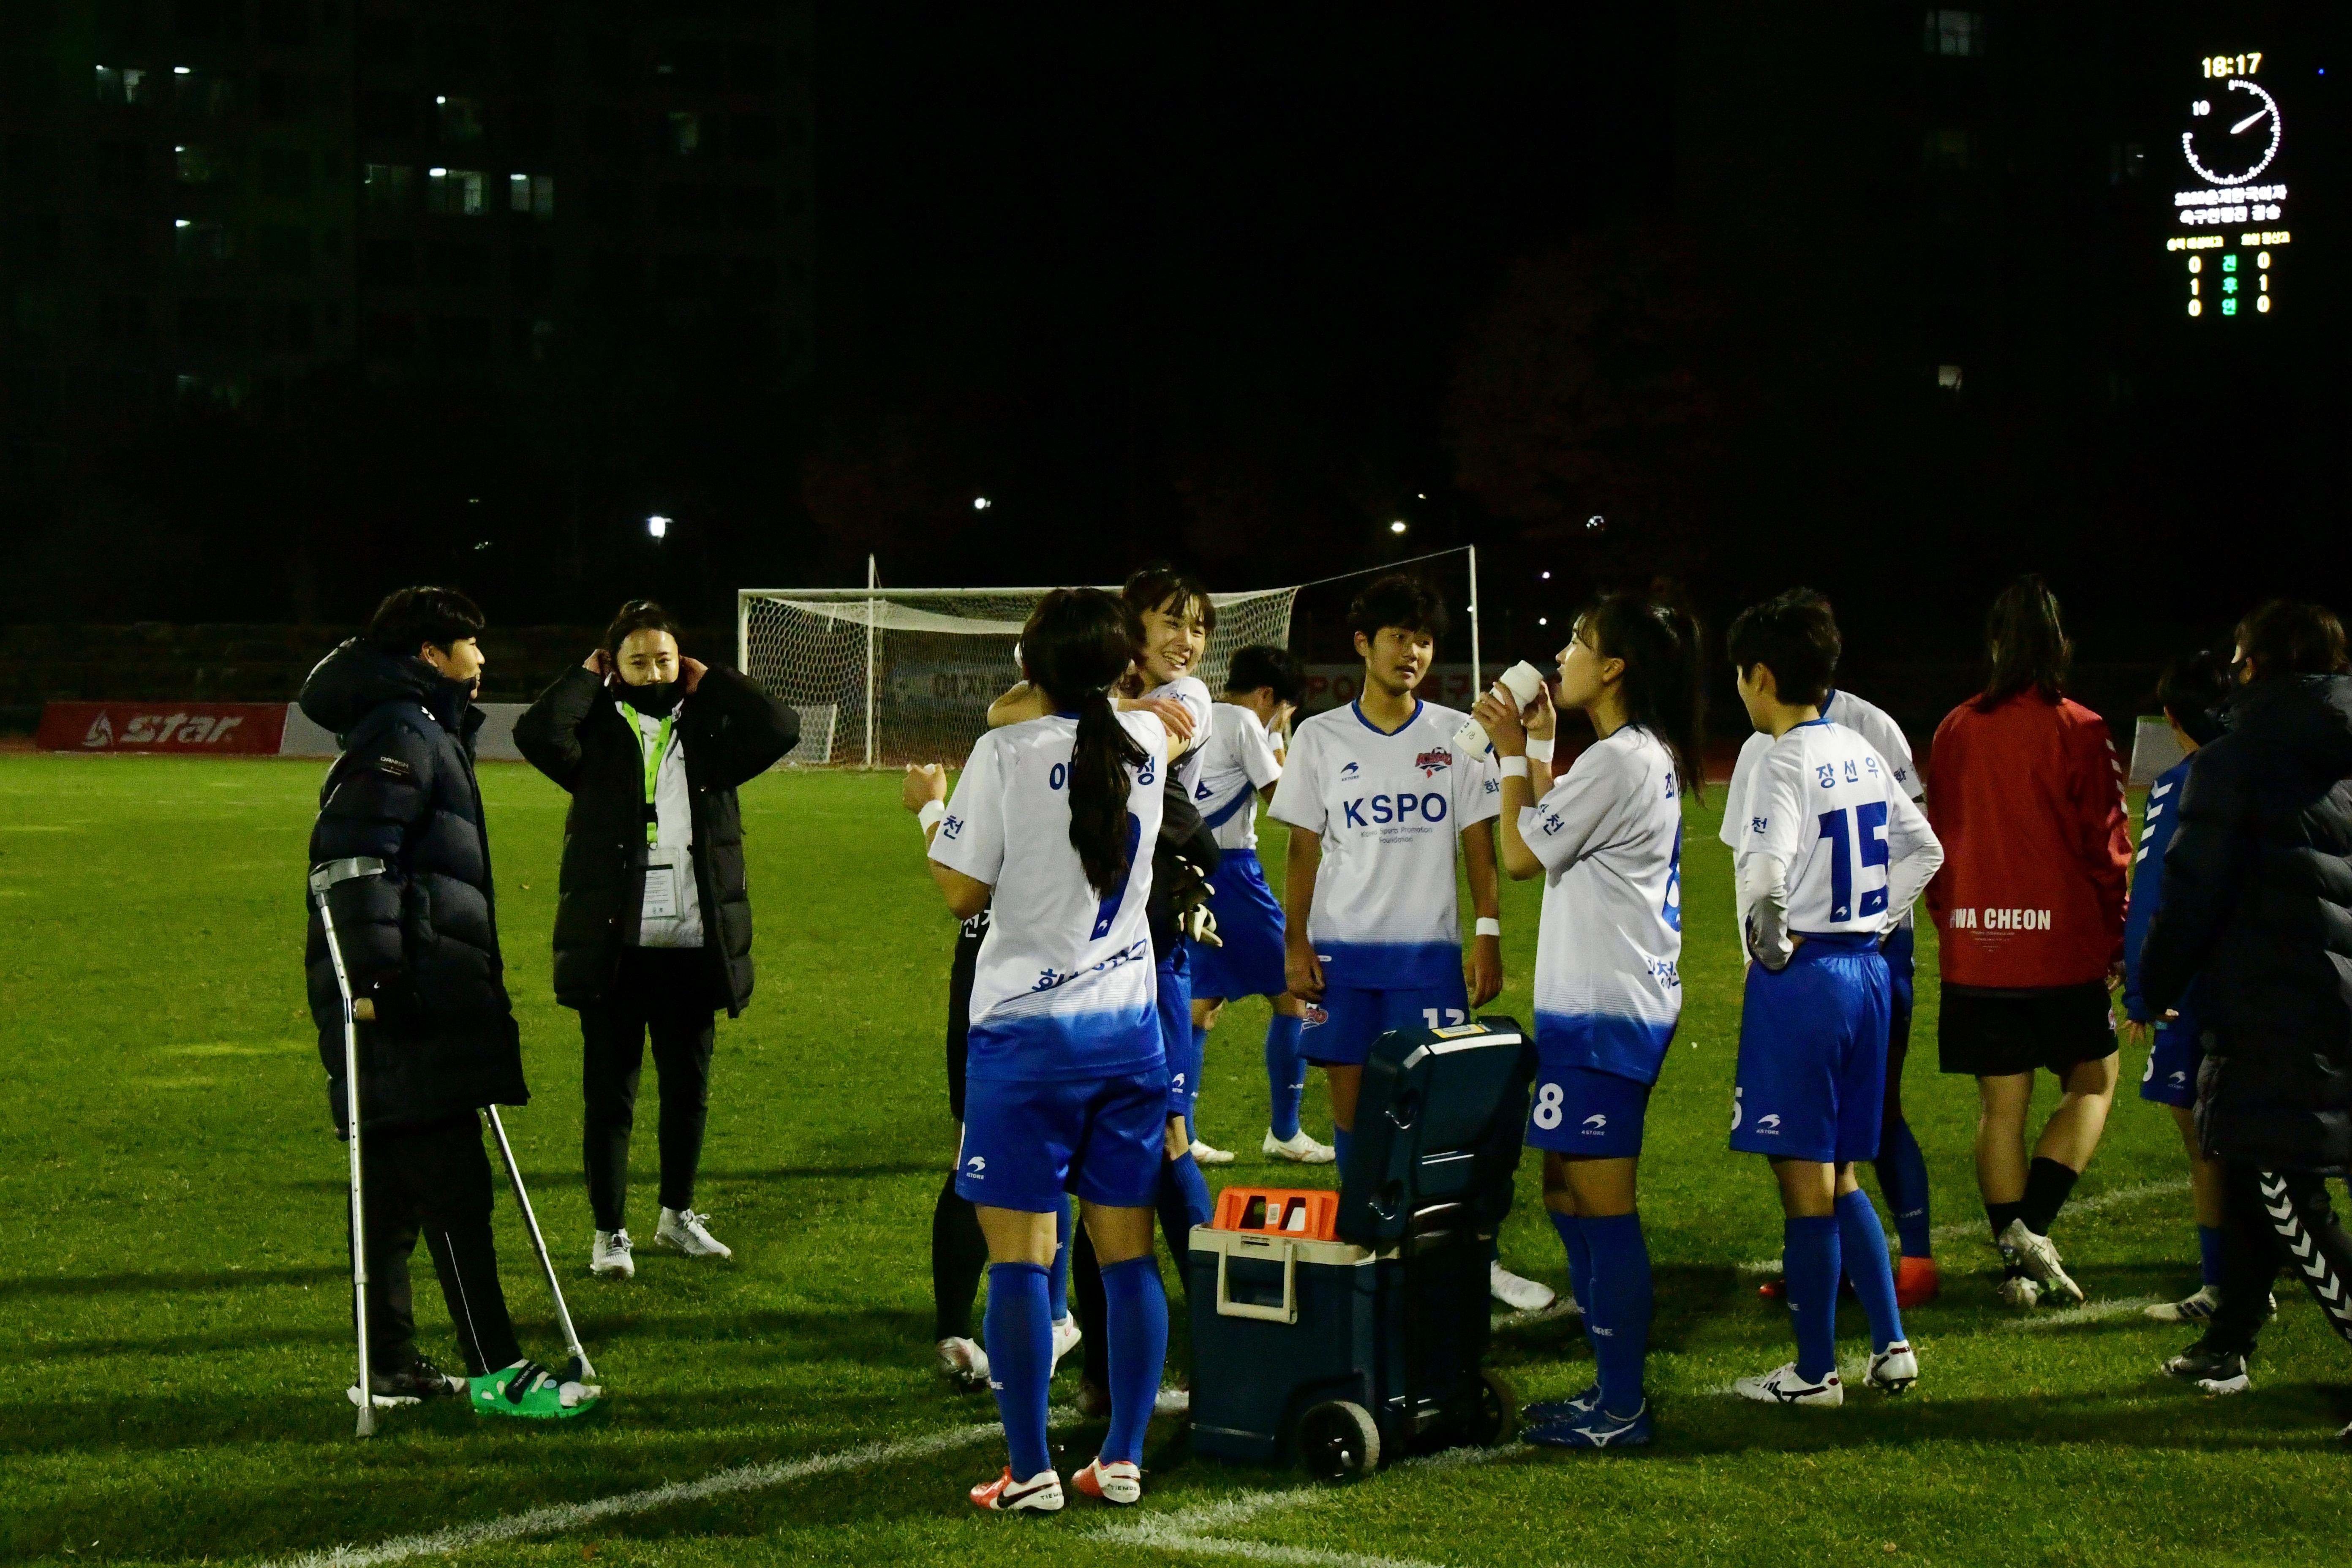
(1340, 1032)
(1587, 1113)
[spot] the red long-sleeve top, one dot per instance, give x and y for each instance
(2029, 801)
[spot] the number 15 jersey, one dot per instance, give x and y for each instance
(1827, 806)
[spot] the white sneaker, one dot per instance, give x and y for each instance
(2197, 1308)
(685, 1230)
(1782, 1385)
(1518, 1294)
(1895, 1369)
(1172, 1402)
(612, 1258)
(1203, 1154)
(1299, 1148)
(2039, 1256)
(1067, 1336)
(962, 1362)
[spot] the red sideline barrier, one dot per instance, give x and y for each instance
(205, 728)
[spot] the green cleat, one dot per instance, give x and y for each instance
(529, 1390)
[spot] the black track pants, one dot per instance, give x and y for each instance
(661, 992)
(2278, 1219)
(433, 1181)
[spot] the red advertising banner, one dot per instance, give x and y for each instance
(218, 728)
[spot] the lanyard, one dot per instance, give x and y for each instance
(653, 762)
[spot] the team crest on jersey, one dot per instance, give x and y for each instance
(1431, 763)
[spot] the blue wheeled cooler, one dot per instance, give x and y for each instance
(1357, 1347)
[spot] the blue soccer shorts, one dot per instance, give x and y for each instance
(1586, 1113)
(1339, 1031)
(2172, 1062)
(1027, 1143)
(1811, 1081)
(1249, 923)
(1175, 1010)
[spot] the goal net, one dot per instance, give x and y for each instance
(905, 674)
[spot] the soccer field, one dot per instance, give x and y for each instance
(174, 1293)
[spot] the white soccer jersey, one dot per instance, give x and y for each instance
(1607, 953)
(1065, 986)
(1825, 806)
(1193, 693)
(1237, 762)
(1388, 807)
(1866, 720)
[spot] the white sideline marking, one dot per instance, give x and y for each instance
(2088, 1312)
(1968, 1227)
(558, 1518)
(1184, 1531)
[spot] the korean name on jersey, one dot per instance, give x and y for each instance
(1607, 953)
(1235, 762)
(1826, 804)
(1388, 808)
(1064, 986)
(1866, 720)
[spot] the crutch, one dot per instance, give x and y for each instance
(582, 1371)
(323, 877)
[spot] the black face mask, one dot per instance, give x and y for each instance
(655, 699)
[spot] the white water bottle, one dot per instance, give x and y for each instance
(1521, 681)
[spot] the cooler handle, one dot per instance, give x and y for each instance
(1286, 1313)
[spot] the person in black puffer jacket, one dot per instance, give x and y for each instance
(420, 944)
(2257, 909)
(653, 920)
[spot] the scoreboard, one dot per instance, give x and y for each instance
(2230, 236)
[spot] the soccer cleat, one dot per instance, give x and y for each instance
(1895, 1369)
(1172, 1402)
(1041, 1493)
(1552, 1411)
(2212, 1371)
(962, 1362)
(412, 1382)
(687, 1231)
(1598, 1430)
(2017, 1290)
(1118, 1482)
(529, 1390)
(1518, 1294)
(2200, 1306)
(1066, 1335)
(1782, 1385)
(2038, 1256)
(1916, 1282)
(1299, 1148)
(1203, 1154)
(612, 1256)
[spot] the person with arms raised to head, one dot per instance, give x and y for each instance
(2025, 792)
(1050, 827)
(653, 915)
(1607, 840)
(2257, 912)
(419, 940)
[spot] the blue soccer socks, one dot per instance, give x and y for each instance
(1285, 1074)
(1135, 1309)
(1580, 1259)
(1020, 1337)
(1058, 1287)
(1617, 1309)
(1862, 1245)
(1811, 1261)
(2209, 1255)
(1182, 1174)
(1903, 1177)
(1341, 1139)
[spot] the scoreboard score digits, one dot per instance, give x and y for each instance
(2230, 217)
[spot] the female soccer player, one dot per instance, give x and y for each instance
(1608, 840)
(1066, 1081)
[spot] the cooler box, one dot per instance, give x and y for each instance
(1349, 1330)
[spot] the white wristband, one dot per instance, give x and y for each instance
(1489, 926)
(1540, 751)
(1515, 767)
(929, 815)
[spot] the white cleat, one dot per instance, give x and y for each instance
(1119, 1481)
(2197, 1308)
(1204, 1154)
(1041, 1493)
(1299, 1148)
(1518, 1294)
(2038, 1256)
(1067, 1336)
(687, 1231)
(1172, 1402)
(612, 1258)
(1782, 1385)
(962, 1362)
(1895, 1369)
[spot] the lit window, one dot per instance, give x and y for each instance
(388, 187)
(199, 241)
(458, 192)
(1947, 377)
(461, 119)
(685, 131)
(122, 85)
(1955, 32)
(533, 194)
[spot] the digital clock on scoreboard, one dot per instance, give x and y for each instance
(2229, 232)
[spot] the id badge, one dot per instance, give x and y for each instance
(661, 893)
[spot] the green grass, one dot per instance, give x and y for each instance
(172, 1287)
